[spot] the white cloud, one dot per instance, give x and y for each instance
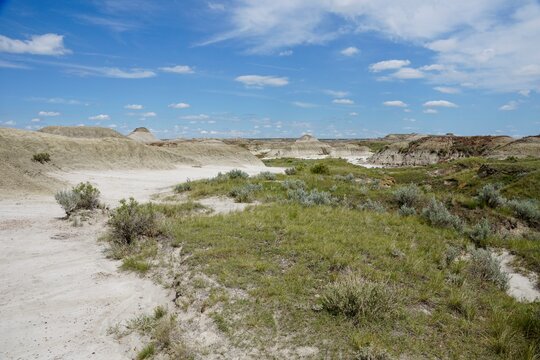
(447, 90)
(388, 65)
(350, 51)
(433, 67)
(261, 81)
(10, 65)
(440, 103)
(336, 93)
(149, 114)
(343, 101)
(112, 126)
(216, 6)
(35, 120)
(353, 114)
(408, 73)
(304, 104)
(395, 103)
(47, 44)
(285, 53)
(180, 105)
(178, 69)
(525, 93)
(10, 123)
(130, 74)
(133, 107)
(99, 117)
(511, 105)
(195, 117)
(48, 113)
(430, 111)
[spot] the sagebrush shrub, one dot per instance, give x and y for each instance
(372, 205)
(68, 200)
(131, 220)
(480, 232)
(313, 197)
(409, 195)
(437, 214)
(183, 187)
(88, 196)
(237, 174)
(244, 194)
(405, 210)
(490, 196)
(294, 184)
(321, 169)
(41, 157)
(291, 171)
(484, 266)
(526, 210)
(358, 299)
(267, 175)
(347, 178)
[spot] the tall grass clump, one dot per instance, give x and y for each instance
(485, 267)
(244, 194)
(405, 210)
(409, 195)
(313, 197)
(321, 169)
(490, 196)
(267, 175)
(294, 184)
(371, 353)
(183, 187)
(84, 196)
(372, 205)
(526, 210)
(41, 158)
(291, 171)
(359, 300)
(346, 178)
(436, 214)
(131, 220)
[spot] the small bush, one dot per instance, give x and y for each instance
(404, 210)
(41, 157)
(321, 169)
(244, 194)
(68, 200)
(267, 175)
(88, 196)
(526, 210)
(480, 232)
(291, 171)
(372, 205)
(146, 352)
(237, 174)
(347, 178)
(437, 214)
(490, 196)
(408, 196)
(135, 264)
(358, 299)
(294, 184)
(485, 267)
(131, 220)
(314, 197)
(183, 187)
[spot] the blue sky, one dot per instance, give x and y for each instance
(273, 68)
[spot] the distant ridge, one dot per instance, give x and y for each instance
(84, 132)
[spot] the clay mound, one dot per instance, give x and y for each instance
(210, 152)
(307, 138)
(84, 132)
(143, 135)
(527, 146)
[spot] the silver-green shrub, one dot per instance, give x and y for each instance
(489, 195)
(408, 195)
(437, 214)
(484, 266)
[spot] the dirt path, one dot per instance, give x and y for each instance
(59, 294)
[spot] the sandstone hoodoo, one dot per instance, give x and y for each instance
(143, 135)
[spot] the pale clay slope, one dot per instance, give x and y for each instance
(58, 292)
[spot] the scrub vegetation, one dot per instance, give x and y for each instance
(354, 262)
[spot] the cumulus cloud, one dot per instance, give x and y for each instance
(10, 123)
(336, 93)
(262, 81)
(343, 101)
(216, 6)
(47, 44)
(35, 120)
(180, 105)
(149, 114)
(388, 65)
(525, 93)
(304, 104)
(100, 117)
(195, 117)
(130, 74)
(353, 114)
(285, 53)
(350, 51)
(430, 111)
(395, 103)
(511, 105)
(447, 90)
(133, 107)
(48, 113)
(178, 69)
(440, 103)
(408, 73)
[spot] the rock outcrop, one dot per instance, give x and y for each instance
(143, 135)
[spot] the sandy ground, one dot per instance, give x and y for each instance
(59, 294)
(520, 287)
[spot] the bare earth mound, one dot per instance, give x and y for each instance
(143, 135)
(86, 132)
